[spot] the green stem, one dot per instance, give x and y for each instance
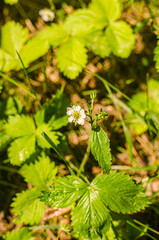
(84, 161)
(27, 76)
(16, 84)
(151, 229)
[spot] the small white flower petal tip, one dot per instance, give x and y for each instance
(76, 114)
(47, 15)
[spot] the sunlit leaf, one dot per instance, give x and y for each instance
(98, 43)
(72, 57)
(19, 234)
(54, 34)
(120, 38)
(40, 173)
(106, 10)
(28, 207)
(100, 148)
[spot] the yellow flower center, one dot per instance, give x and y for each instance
(76, 115)
(48, 14)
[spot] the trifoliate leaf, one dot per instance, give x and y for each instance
(81, 23)
(28, 207)
(106, 10)
(100, 148)
(98, 43)
(66, 191)
(72, 57)
(47, 129)
(34, 48)
(19, 234)
(21, 149)
(120, 38)
(90, 217)
(13, 36)
(54, 34)
(16, 126)
(119, 193)
(41, 173)
(11, 2)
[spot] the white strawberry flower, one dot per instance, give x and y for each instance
(47, 15)
(77, 115)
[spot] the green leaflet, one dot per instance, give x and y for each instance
(19, 234)
(66, 191)
(54, 35)
(28, 207)
(106, 10)
(120, 38)
(100, 148)
(98, 43)
(81, 23)
(13, 36)
(41, 173)
(72, 57)
(21, 149)
(25, 136)
(33, 49)
(120, 193)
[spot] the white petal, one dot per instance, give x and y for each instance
(71, 119)
(46, 15)
(80, 121)
(76, 108)
(82, 113)
(70, 111)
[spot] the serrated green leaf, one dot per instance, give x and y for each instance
(28, 207)
(98, 43)
(66, 191)
(120, 38)
(72, 57)
(19, 234)
(21, 149)
(16, 126)
(34, 48)
(41, 173)
(13, 36)
(41, 141)
(106, 10)
(11, 2)
(100, 148)
(119, 193)
(81, 22)
(54, 34)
